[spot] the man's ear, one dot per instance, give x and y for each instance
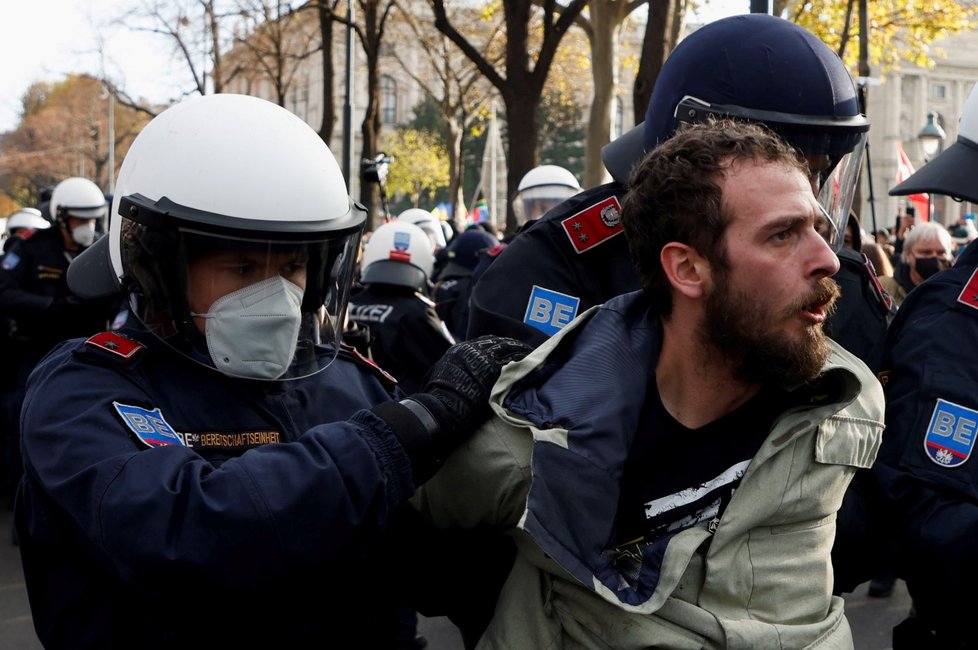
(687, 270)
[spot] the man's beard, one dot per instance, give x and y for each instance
(744, 330)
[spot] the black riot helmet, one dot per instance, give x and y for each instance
(764, 69)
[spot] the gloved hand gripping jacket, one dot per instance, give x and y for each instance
(453, 402)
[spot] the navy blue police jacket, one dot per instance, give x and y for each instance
(925, 464)
(406, 335)
(165, 505)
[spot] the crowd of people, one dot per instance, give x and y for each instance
(688, 408)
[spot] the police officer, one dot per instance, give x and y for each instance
(34, 293)
(454, 281)
(541, 189)
(201, 477)
(406, 335)
(21, 222)
(754, 67)
(927, 466)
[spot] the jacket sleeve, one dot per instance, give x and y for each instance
(162, 514)
(498, 301)
(483, 483)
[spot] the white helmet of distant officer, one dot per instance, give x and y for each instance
(541, 189)
(25, 219)
(76, 204)
(428, 223)
(234, 237)
(398, 253)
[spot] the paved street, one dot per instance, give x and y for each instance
(871, 618)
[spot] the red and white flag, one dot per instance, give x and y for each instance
(904, 170)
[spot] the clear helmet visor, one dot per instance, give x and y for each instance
(534, 202)
(835, 178)
(833, 146)
(264, 306)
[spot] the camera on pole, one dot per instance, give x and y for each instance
(375, 171)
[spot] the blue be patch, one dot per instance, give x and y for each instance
(10, 261)
(149, 426)
(550, 311)
(950, 434)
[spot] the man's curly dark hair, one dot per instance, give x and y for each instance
(674, 194)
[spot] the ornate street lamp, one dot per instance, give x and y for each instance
(931, 139)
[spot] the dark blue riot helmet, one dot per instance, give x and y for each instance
(764, 69)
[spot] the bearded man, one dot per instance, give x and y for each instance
(671, 463)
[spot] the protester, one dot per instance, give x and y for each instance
(576, 256)
(925, 465)
(219, 454)
(722, 350)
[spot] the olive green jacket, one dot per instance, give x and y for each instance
(546, 467)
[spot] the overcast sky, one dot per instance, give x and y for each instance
(43, 40)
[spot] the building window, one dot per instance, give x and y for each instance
(388, 100)
(938, 91)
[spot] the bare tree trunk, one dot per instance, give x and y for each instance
(456, 171)
(606, 19)
(660, 38)
(326, 37)
(521, 120)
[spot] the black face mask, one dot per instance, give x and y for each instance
(928, 266)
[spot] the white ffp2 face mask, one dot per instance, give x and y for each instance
(84, 233)
(252, 332)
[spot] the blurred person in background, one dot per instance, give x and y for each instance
(21, 222)
(453, 283)
(878, 257)
(406, 335)
(35, 296)
(927, 250)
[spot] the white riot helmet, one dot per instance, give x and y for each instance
(238, 177)
(428, 223)
(398, 253)
(541, 189)
(25, 219)
(78, 198)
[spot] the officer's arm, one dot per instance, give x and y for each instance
(527, 293)
(927, 465)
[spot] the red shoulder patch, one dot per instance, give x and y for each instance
(594, 224)
(379, 372)
(119, 345)
(496, 250)
(969, 295)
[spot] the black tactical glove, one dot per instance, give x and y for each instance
(453, 402)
